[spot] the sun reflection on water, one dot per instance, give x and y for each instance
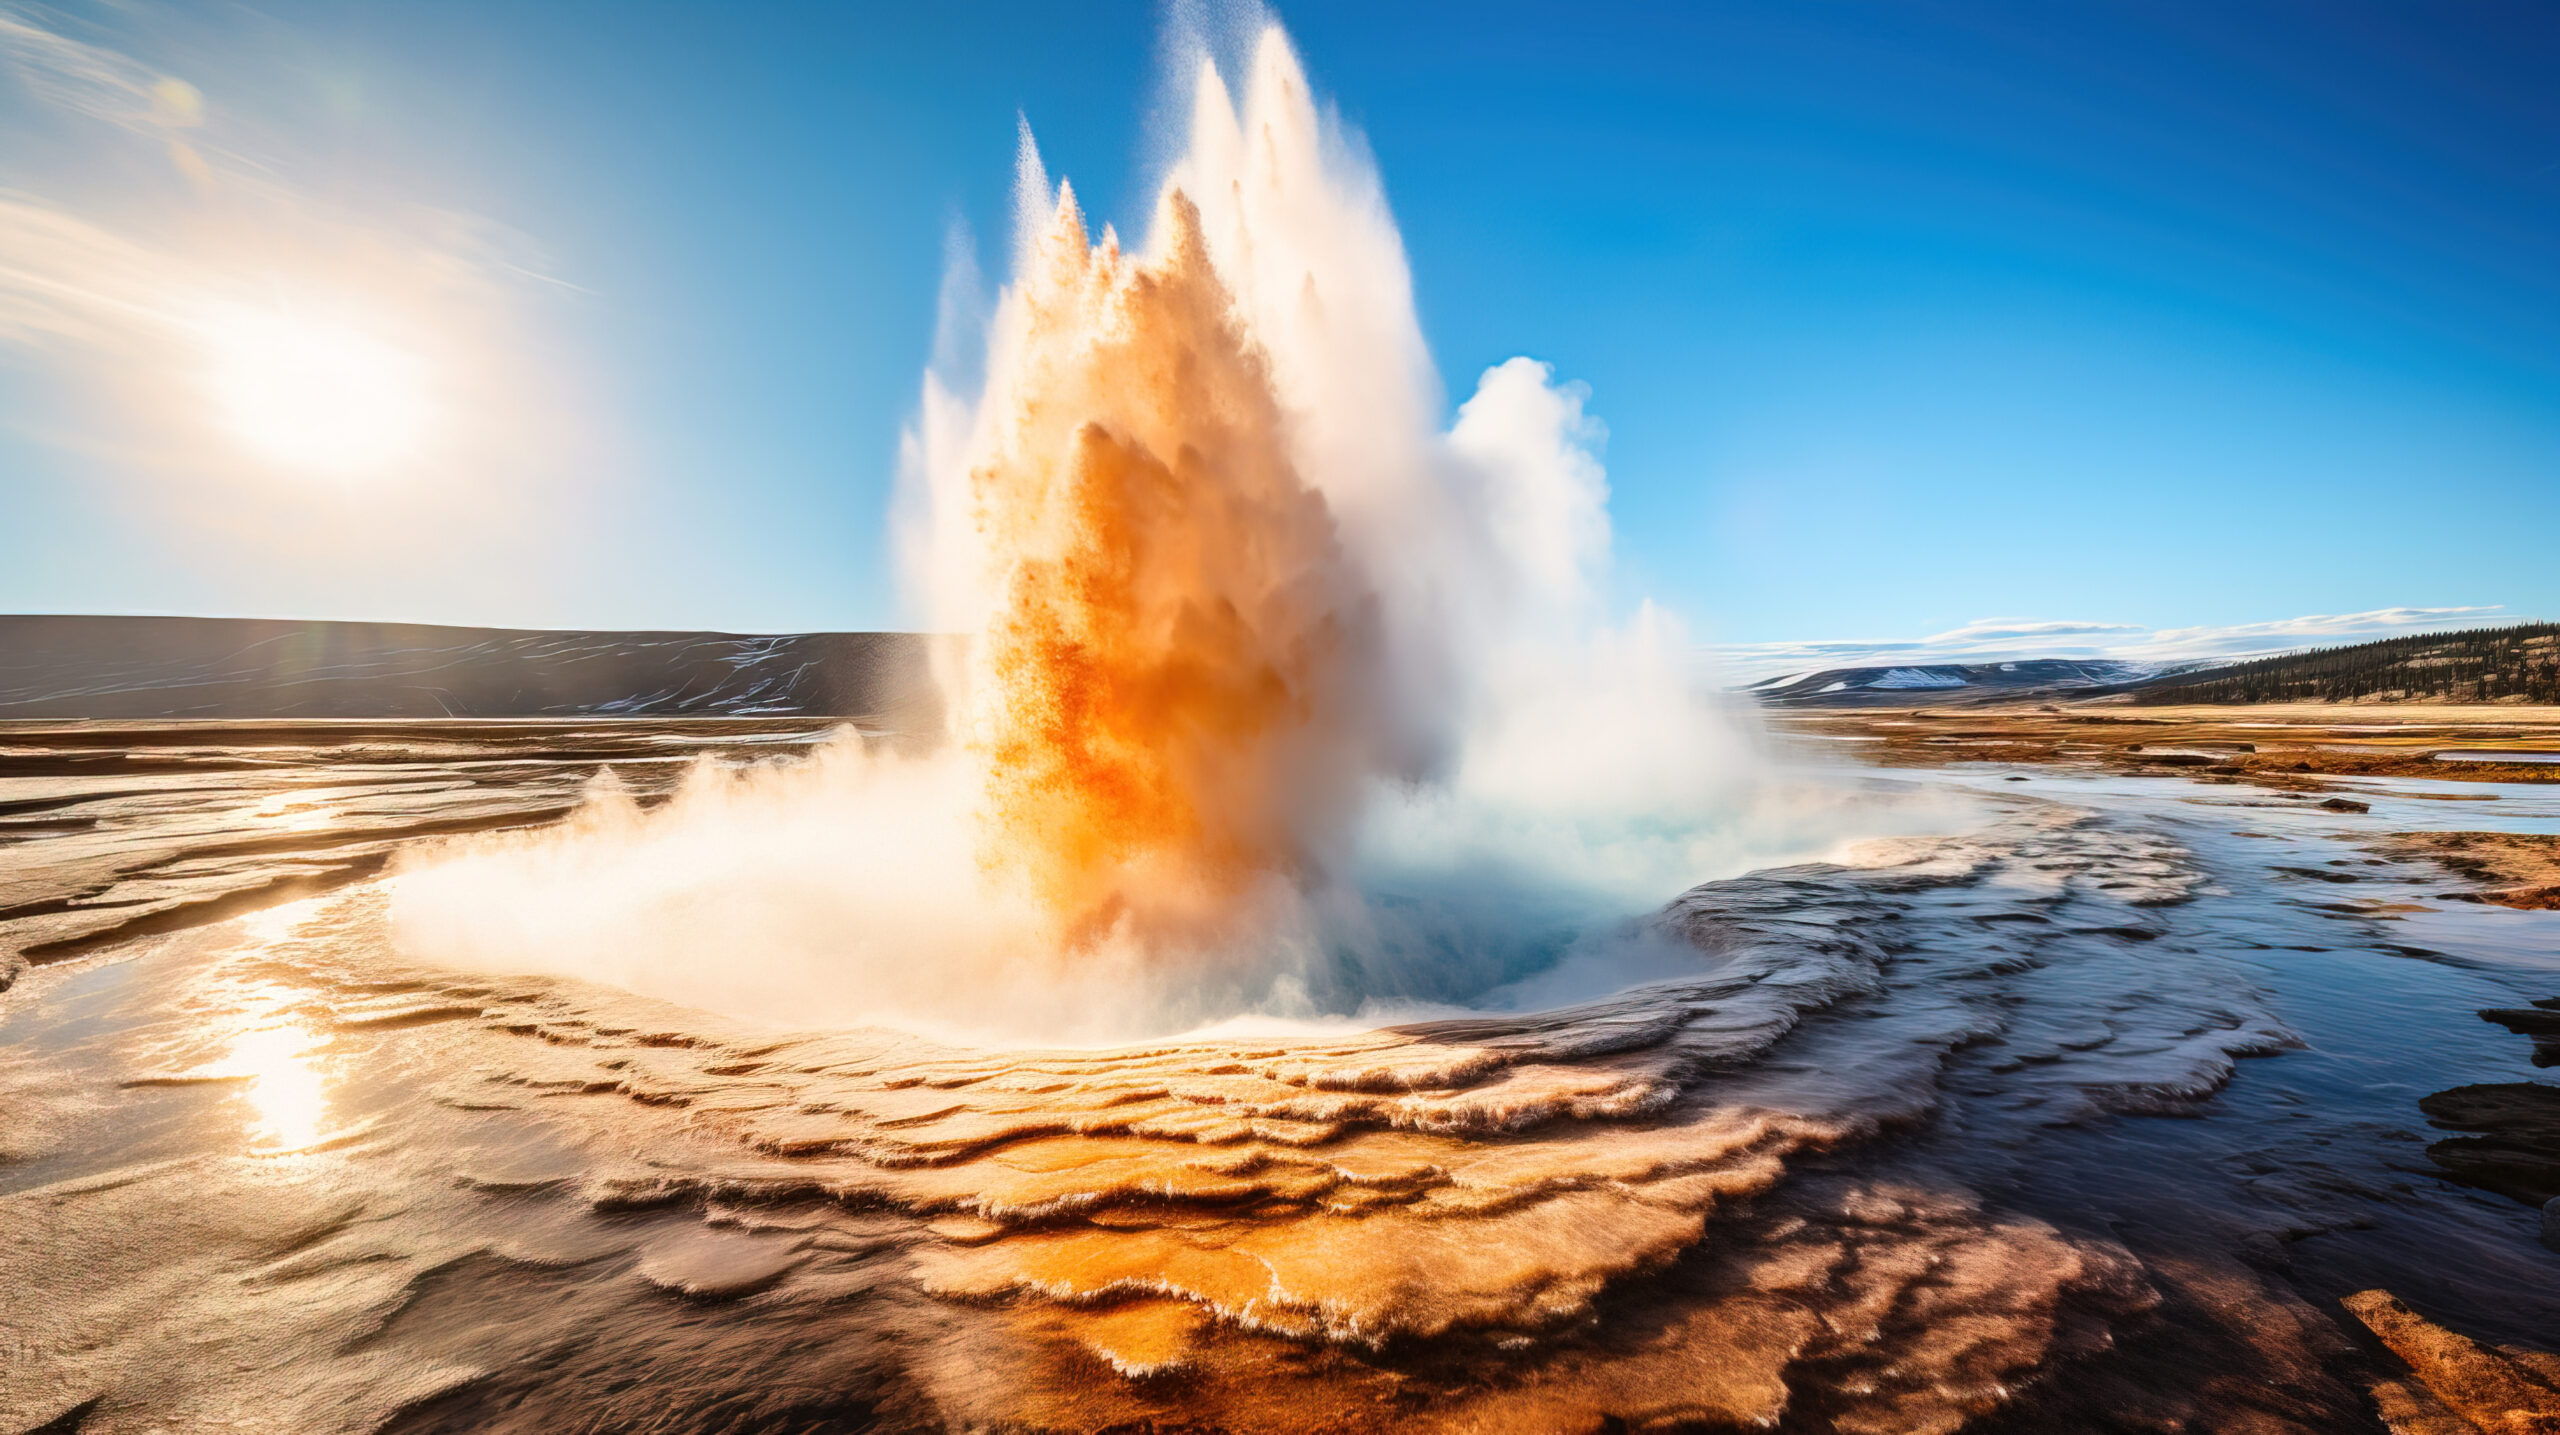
(273, 1047)
(292, 812)
(287, 1097)
(271, 925)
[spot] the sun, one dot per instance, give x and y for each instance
(315, 394)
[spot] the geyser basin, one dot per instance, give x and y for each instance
(1882, 1159)
(1287, 1000)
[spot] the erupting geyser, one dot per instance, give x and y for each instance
(1253, 642)
(1170, 694)
(1446, 1066)
(1200, 654)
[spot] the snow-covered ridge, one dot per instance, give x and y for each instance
(1990, 641)
(1852, 687)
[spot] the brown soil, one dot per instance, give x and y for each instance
(2288, 747)
(2514, 869)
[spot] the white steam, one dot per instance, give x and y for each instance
(1554, 773)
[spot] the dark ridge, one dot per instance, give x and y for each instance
(235, 668)
(2521, 663)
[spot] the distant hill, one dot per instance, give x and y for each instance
(1936, 683)
(2518, 664)
(84, 667)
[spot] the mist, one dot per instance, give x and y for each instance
(1285, 697)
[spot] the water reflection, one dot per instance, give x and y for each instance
(291, 811)
(272, 925)
(286, 1095)
(274, 1047)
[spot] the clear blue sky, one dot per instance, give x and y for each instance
(1899, 315)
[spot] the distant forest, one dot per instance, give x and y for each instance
(2481, 665)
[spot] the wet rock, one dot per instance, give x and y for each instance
(2541, 1022)
(2346, 804)
(2516, 1152)
(2525, 1021)
(709, 1264)
(2407, 1409)
(2487, 1389)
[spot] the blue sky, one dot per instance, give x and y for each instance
(1900, 316)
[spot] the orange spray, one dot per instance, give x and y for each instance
(1165, 701)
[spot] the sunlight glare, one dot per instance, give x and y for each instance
(314, 394)
(287, 1098)
(291, 812)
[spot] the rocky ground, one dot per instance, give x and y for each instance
(2459, 1385)
(2502, 1136)
(112, 831)
(2513, 869)
(2100, 1115)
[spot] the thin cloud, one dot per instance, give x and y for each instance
(71, 75)
(63, 278)
(1988, 629)
(1997, 640)
(70, 274)
(129, 290)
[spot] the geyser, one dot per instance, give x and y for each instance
(1173, 696)
(1280, 698)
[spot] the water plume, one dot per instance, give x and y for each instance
(1168, 697)
(1278, 697)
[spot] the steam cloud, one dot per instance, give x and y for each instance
(1281, 700)
(1172, 697)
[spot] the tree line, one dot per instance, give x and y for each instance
(2478, 665)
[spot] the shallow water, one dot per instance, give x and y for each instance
(2081, 1120)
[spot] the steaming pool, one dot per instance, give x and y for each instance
(2101, 1101)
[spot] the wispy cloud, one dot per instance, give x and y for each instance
(89, 80)
(62, 277)
(142, 212)
(1994, 640)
